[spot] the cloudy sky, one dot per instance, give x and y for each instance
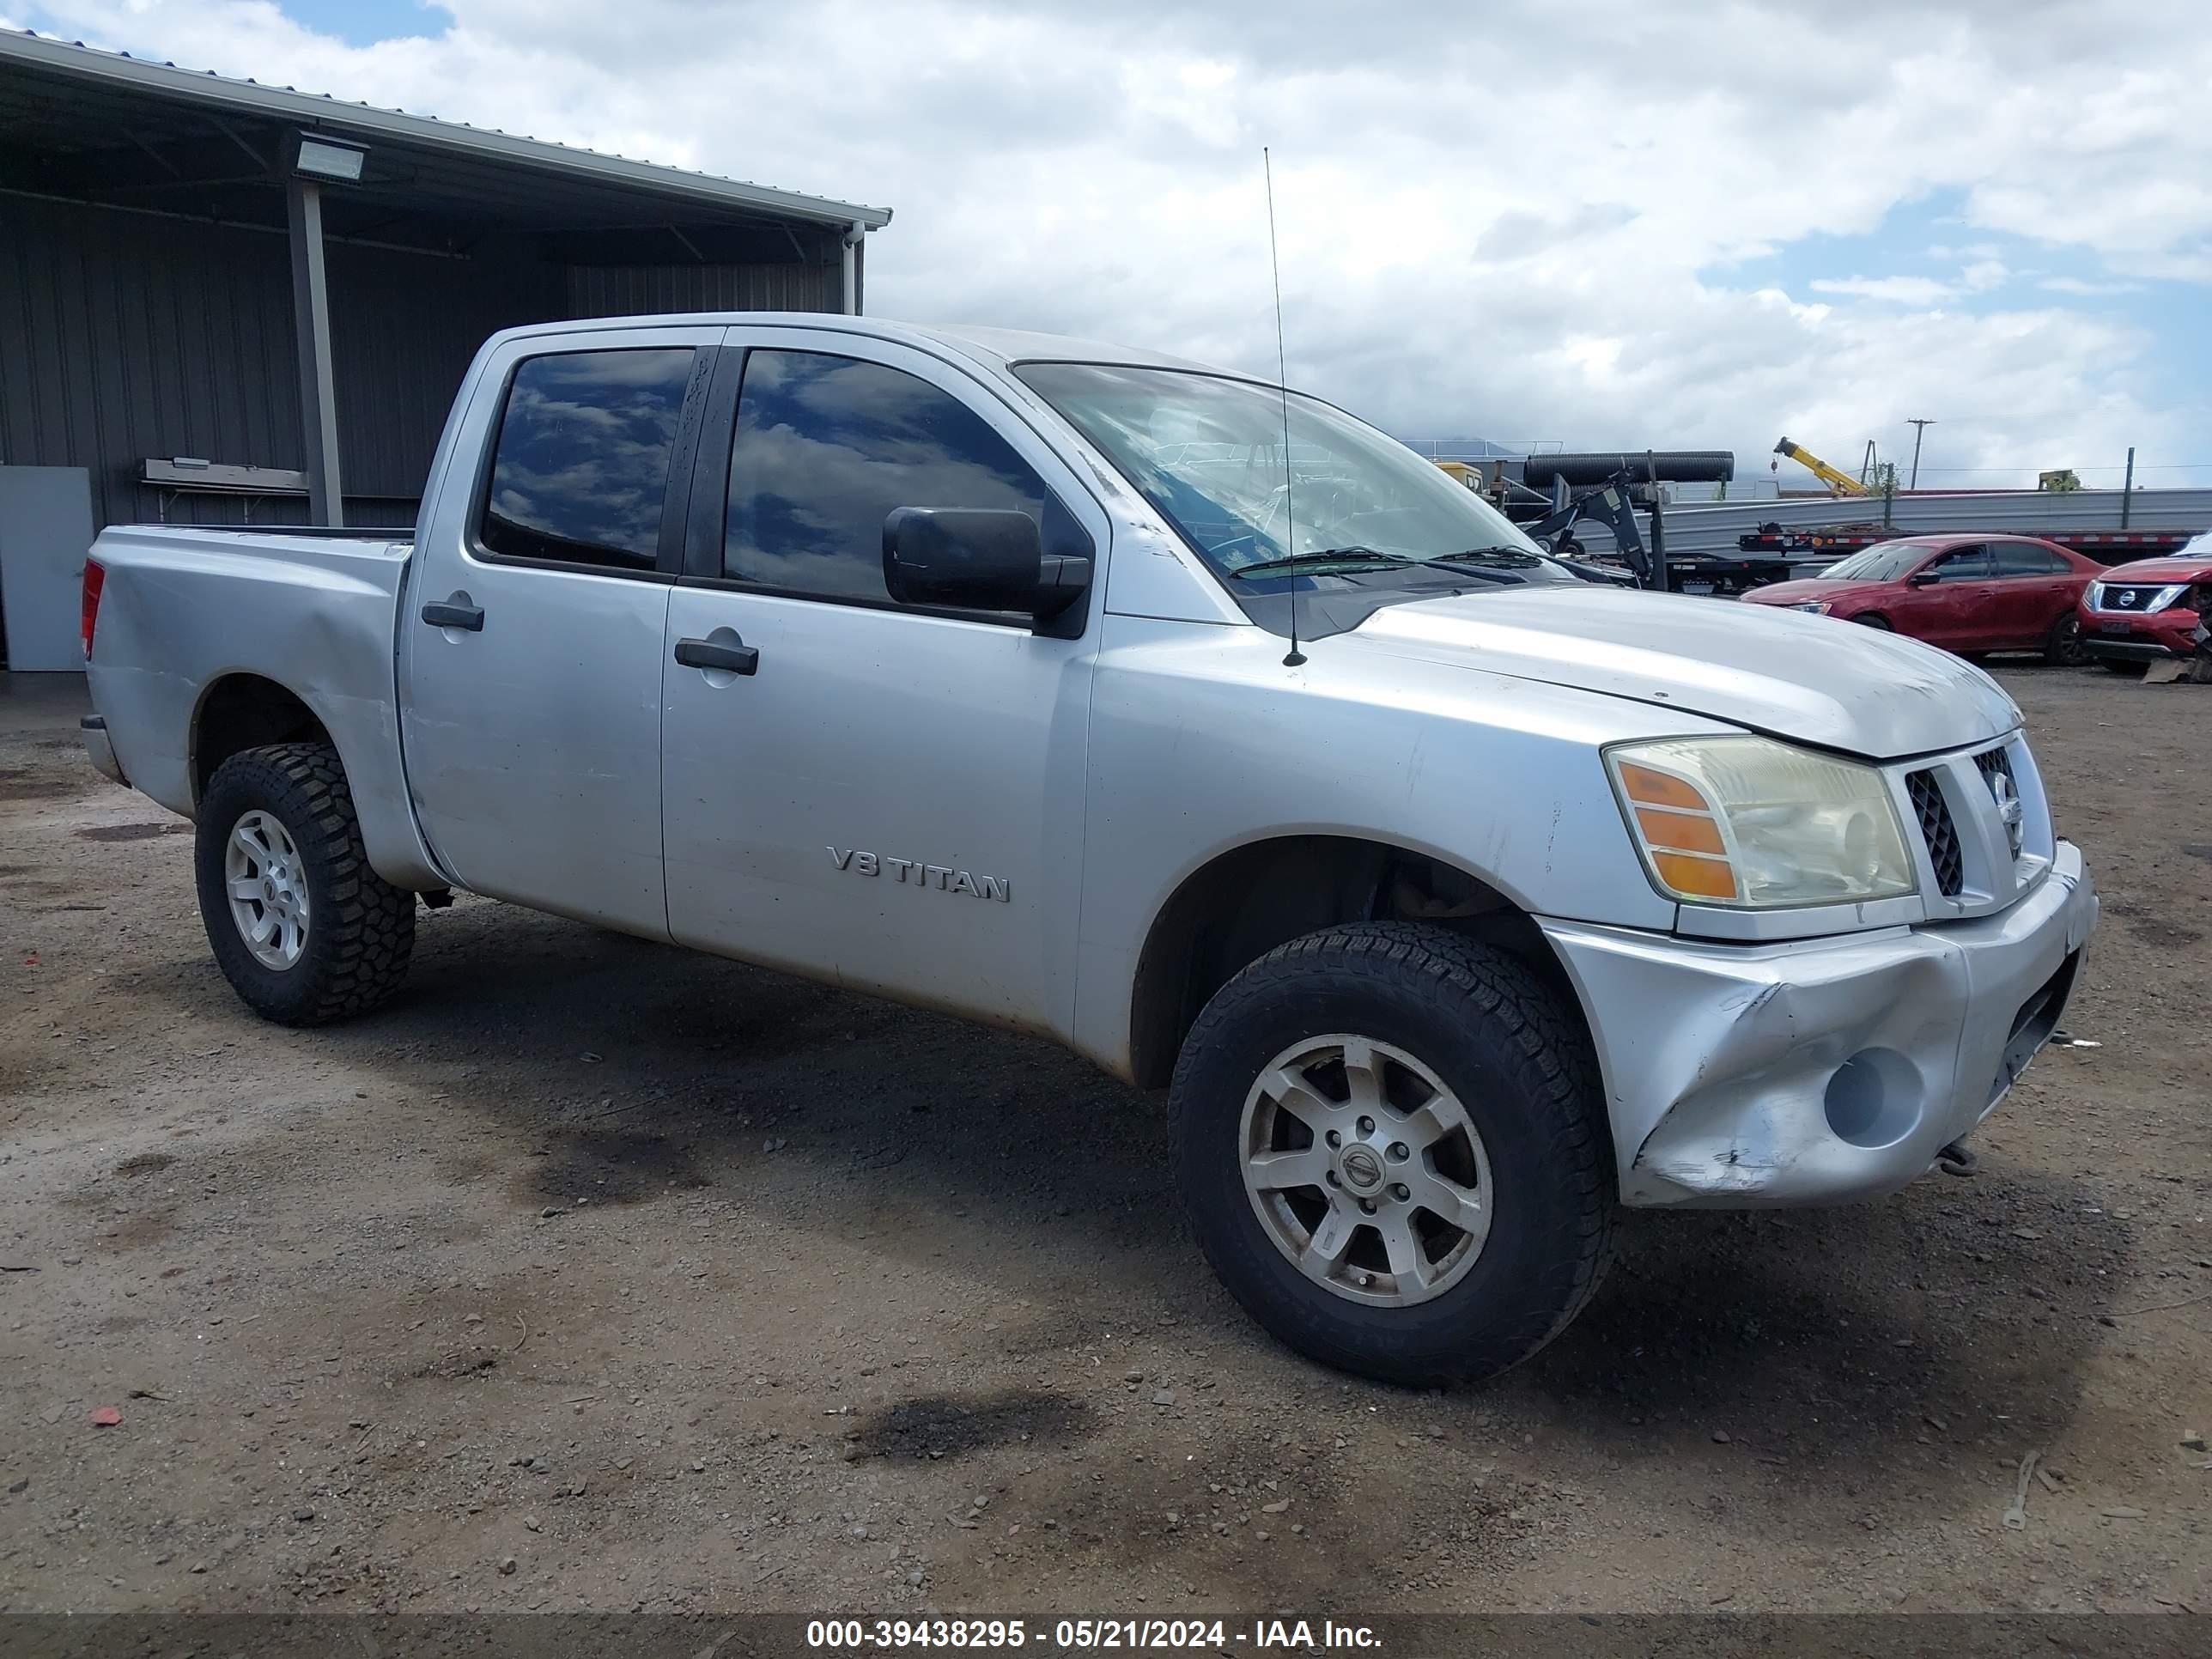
(1602, 222)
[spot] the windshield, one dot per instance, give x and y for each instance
(1884, 563)
(1207, 453)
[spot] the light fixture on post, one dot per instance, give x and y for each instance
(338, 160)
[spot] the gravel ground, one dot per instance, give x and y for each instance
(591, 1274)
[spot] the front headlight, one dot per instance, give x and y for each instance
(1821, 605)
(2094, 593)
(1756, 824)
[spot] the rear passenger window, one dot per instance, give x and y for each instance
(826, 447)
(581, 469)
(2019, 559)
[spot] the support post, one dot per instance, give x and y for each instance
(854, 235)
(1919, 431)
(2127, 488)
(310, 324)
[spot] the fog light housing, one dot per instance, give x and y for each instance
(1874, 1099)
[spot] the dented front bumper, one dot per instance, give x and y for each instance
(1818, 1071)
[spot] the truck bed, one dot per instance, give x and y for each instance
(184, 608)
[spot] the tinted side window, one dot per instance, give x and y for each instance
(826, 447)
(2019, 559)
(1963, 564)
(581, 469)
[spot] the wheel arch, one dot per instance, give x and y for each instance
(1245, 900)
(240, 709)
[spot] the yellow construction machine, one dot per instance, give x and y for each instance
(1840, 482)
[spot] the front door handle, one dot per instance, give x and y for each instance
(441, 613)
(737, 658)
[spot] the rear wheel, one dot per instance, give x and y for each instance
(2065, 647)
(304, 930)
(1392, 1148)
(1873, 619)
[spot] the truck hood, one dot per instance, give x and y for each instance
(1789, 674)
(2178, 568)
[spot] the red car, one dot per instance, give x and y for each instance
(1968, 594)
(2136, 613)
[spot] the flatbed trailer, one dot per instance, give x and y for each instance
(1833, 542)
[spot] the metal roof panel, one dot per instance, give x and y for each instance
(92, 70)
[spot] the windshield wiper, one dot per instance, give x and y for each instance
(1326, 555)
(1465, 564)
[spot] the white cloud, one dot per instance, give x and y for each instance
(1477, 234)
(2077, 285)
(1890, 291)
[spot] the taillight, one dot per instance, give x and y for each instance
(96, 578)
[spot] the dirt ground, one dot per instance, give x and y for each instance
(591, 1274)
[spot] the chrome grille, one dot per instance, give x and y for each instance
(1994, 763)
(1938, 831)
(2130, 597)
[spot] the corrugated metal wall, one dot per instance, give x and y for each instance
(638, 290)
(126, 336)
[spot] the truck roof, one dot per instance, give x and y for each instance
(997, 348)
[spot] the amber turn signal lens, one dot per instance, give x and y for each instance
(1651, 788)
(1696, 877)
(1681, 832)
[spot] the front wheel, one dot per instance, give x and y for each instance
(1873, 619)
(1392, 1147)
(304, 930)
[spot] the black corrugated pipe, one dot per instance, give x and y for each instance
(1673, 465)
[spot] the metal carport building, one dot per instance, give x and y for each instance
(202, 310)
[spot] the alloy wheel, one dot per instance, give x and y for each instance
(1365, 1170)
(267, 881)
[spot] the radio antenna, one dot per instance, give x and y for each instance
(1296, 657)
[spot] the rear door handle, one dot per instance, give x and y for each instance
(738, 659)
(468, 618)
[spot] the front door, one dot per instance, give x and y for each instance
(886, 797)
(1953, 610)
(532, 629)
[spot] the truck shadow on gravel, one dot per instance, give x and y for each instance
(1894, 1334)
(1883, 1344)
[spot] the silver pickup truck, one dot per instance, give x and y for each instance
(959, 667)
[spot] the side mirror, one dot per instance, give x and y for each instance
(1923, 579)
(978, 559)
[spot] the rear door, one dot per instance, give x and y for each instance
(2034, 587)
(1953, 610)
(531, 643)
(891, 797)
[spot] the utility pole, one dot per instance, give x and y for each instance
(1919, 431)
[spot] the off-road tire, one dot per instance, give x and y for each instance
(1521, 1066)
(360, 928)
